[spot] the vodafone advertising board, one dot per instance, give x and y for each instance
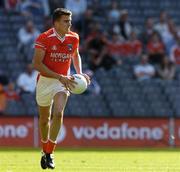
(114, 132)
(177, 133)
(77, 132)
(17, 132)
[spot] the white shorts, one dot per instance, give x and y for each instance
(46, 89)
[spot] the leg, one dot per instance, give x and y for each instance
(44, 119)
(60, 100)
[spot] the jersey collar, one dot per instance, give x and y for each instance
(58, 36)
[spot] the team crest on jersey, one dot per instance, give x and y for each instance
(54, 47)
(69, 47)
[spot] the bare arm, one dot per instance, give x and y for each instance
(78, 65)
(77, 62)
(40, 67)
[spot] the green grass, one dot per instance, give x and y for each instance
(93, 160)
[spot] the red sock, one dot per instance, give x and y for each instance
(50, 146)
(44, 145)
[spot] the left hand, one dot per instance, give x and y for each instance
(87, 78)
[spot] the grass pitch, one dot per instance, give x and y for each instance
(93, 160)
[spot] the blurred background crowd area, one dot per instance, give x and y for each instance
(131, 50)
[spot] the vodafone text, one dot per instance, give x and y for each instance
(123, 131)
(19, 131)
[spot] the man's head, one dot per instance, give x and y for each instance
(29, 26)
(149, 23)
(62, 20)
(11, 86)
(163, 16)
(29, 69)
(144, 59)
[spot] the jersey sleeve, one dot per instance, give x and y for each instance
(41, 42)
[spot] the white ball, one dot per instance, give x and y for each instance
(81, 85)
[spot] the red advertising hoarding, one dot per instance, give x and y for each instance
(114, 132)
(176, 136)
(87, 132)
(17, 132)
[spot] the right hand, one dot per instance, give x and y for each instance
(67, 81)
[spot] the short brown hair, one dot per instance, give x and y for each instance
(58, 12)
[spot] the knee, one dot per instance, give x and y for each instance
(44, 121)
(58, 113)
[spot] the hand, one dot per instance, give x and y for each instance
(67, 81)
(87, 78)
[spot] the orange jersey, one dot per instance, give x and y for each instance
(155, 47)
(133, 48)
(58, 50)
(116, 49)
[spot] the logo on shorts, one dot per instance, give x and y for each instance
(54, 47)
(69, 47)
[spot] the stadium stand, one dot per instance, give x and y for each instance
(122, 95)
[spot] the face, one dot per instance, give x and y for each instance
(133, 36)
(155, 38)
(29, 69)
(165, 60)
(29, 26)
(144, 59)
(163, 16)
(11, 86)
(63, 25)
(149, 23)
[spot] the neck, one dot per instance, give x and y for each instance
(59, 33)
